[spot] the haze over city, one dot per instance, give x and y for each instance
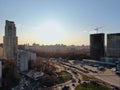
(59, 44)
(60, 21)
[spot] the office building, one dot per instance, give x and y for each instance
(113, 45)
(22, 60)
(10, 41)
(97, 46)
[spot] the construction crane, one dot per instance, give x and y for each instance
(97, 29)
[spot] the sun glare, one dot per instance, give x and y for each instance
(51, 32)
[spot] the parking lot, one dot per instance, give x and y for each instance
(108, 75)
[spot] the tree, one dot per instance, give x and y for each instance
(10, 74)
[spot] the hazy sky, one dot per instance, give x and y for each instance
(59, 21)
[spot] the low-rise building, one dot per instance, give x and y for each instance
(35, 75)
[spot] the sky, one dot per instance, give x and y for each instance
(67, 22)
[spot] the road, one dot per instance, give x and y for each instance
(69, 83)
(107, 76)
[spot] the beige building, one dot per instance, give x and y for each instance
(10, 41)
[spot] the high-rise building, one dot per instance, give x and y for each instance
(97, 46)
(113, 45)
(10, 40)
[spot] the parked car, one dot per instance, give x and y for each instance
(73, 80)
(101, 68)
(73, 85)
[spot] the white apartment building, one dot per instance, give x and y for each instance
(22, 60)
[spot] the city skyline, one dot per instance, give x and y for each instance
(59, 22)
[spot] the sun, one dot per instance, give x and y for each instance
(51, 32)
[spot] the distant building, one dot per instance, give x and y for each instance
(1, 45)
(10, 41)
(98, 63)
(1, 52)
(113, 45)
(22, 60)
(97, 49)
(0, 73)
(110, 60)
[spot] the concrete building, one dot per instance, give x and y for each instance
(35, 75)
(22, 60)
(113, 45)
(32, 56)
(0, 73)
(10, 41)
(97, 49)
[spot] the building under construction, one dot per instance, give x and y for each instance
(97, 49)
(113, 45)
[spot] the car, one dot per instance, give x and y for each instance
(73, 85)
(74, 71)
(79, 81)
(90, 64)
(94, 82)
(22, 88)
(101, 68)
(66, 88)
(115, 88)
(85, 68)
(73, 80)
(96, 65)
(94, 71)
(12, 89)
(81, 65)
(117, 72)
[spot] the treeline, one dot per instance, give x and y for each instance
(76, 55)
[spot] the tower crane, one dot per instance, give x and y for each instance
(97, 29)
